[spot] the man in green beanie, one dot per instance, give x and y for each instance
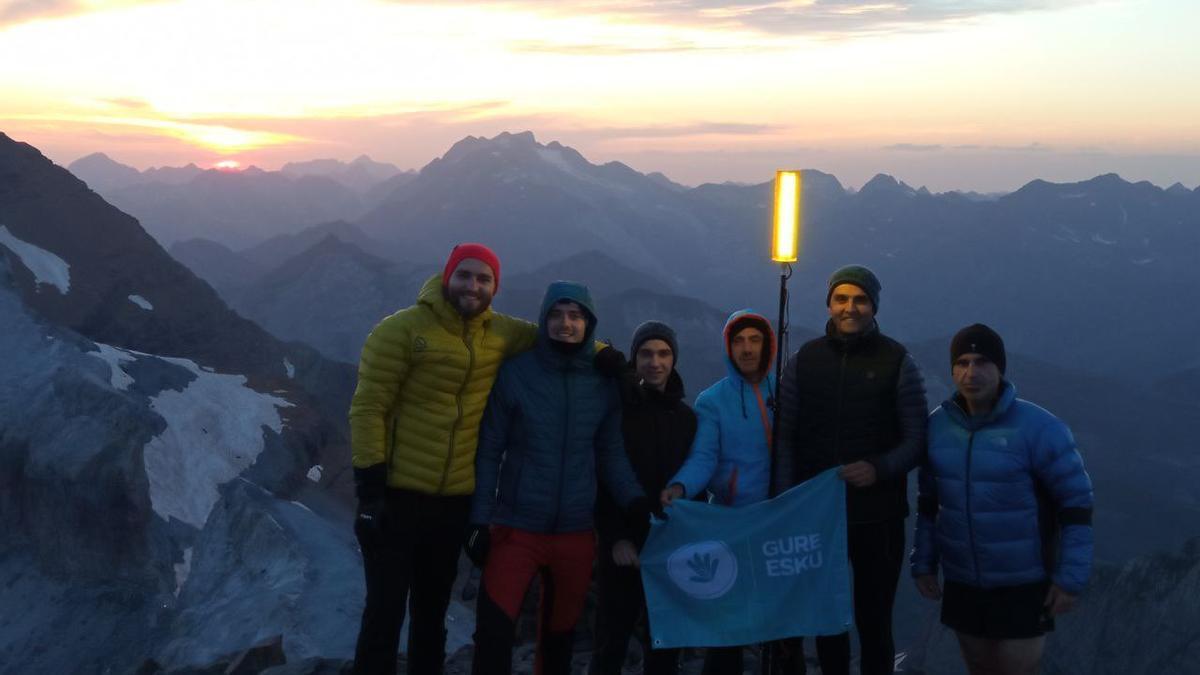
(855, 398)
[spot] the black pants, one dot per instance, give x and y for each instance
(410, 560)
(876, 554)
(621, 601)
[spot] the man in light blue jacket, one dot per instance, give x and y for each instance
(1004, 510)
(731, 453)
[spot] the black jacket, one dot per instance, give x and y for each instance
(658, 428)
(850, 399)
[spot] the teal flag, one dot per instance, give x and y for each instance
(720, 576)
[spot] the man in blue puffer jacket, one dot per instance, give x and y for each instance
(731, 453)
(551, 425)
(1004, 509)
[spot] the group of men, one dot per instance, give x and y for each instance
(539, 451)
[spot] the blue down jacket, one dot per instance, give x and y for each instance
(731, 453)
(551, 421)
(979, 514)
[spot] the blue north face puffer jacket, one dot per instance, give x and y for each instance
(731, 452)
(551, 424)
(978, 507)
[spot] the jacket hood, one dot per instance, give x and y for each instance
(571, 292)
(957, 408)
(433, 296)
(736, 318)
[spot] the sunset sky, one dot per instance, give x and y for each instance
(952, 94)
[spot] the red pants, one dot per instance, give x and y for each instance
(564, 563)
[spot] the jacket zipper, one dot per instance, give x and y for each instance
(837, 419)
(970, 524)
(562, 460)
(458, 400)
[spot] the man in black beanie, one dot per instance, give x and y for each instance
(658, 428)
(1006, 572)
(855, 398)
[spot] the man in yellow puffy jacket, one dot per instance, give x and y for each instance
(423, 381)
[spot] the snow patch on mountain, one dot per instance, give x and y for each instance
(558, 159)
(47, 268)
(182, 570)
(114, 357)
(287, 366)
(314, 474)
(214, 432)
(141, 302)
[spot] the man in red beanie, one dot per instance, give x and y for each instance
(423, 380)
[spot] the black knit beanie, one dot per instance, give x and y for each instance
(860, 276)
(978, 339)
(654, 330)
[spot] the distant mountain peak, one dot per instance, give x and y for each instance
(520, 137)
(97, 158)
(883, 184)
(102, 172)
(1178, 189)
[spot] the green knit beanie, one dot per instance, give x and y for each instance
(857, 275)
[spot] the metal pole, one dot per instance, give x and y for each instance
(767, 653)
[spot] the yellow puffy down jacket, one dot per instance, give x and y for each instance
(423, 382)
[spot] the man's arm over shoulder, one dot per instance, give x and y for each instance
(382, 370)
(616, 472)
(701, 463)
(912, 412)
(1058, 466)
(494, 432)
(518, 334)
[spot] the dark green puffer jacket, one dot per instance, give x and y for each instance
(552, 424)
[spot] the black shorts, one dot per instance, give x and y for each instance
(1004, 613)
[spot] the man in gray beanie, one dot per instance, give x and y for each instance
(855, 398)
(658, 428)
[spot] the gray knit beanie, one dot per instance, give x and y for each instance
(857, 275)
(654, 330)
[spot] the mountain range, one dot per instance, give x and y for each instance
(1063, 271)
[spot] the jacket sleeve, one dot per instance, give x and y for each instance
(701, 463)
(382, 370)
(912, 412)
(520, 335)
(924, 557)
(783, 459)
(1059, 468)
(494, 431)
(616, 473)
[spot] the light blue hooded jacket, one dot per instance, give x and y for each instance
(731, 453)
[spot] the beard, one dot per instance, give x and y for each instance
(469, 305)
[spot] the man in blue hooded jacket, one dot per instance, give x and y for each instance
(551, 425)
(1004, 509)
(731, 453)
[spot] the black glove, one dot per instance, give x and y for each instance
(370, 485)
(610, 362)
(477, 543)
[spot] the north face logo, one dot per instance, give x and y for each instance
(705, 569)
(419, 344)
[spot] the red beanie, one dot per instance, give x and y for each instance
(477, 251)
